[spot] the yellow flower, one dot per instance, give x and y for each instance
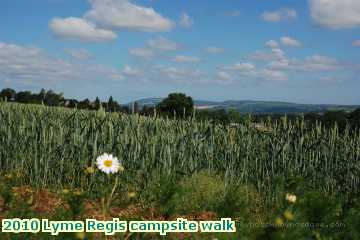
(121, 168)
(131, 194)
(80, 235)
(89, 170)
(18, 173)
(65, 191)
(30, 201)
(77, 193)
(8, 176)
(288, 215)
(291, 198)
(279, 221)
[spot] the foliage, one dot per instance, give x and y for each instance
(177, 104)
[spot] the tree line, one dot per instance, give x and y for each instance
(177, 105)
(51, 98)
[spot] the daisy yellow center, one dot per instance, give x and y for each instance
(108, 163)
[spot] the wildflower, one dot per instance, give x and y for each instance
(8, 176)
(80, 235)
(18, 173)
(131, 194)
(279, 221)
(89, 170)
(291, 198)
(65, 191)
(108, 163)
(121, 168)
(77, 193)
(288, 215)
(30, 201)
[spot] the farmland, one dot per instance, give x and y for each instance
(52, 148)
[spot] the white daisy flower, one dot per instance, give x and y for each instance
(291, 198)
(108, 163)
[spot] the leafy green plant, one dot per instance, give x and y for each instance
(199, 192)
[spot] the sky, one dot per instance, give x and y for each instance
(304, 51)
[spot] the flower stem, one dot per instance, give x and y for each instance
(112, 193)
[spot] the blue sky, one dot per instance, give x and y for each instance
(298, 51)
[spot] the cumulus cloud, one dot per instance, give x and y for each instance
(132, 72)
(178, 74)
(106, 16)
(223, 75)
(272, 44)
(186, 59)
(186, 21)
(336, 14)
(80, 29)
(265, 55)
(162, 44)
(79, 54)
(314, 63)
(144, 53)
(122, 14)
(285, 14)
(248, 71)
(214, 50)
(356, 43)
(290, 42)
(31, 64)
(246, 67)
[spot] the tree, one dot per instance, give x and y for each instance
(97, 104)
(41, 95)
(52, 98)
(23, 97)
(178, 104)
(8, 94)
(354, 118)
(332, 117)
(85, 104)
(111, 105)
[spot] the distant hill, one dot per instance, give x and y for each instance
(257, 107)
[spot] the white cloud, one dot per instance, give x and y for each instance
(290, 42)
(272, 44)
(31, 64)
(144, 53)
(356, 43)
(79, 54)
(178, 74)
(314, 63)
(80, 29)
(122, 14)
(132, 72)
(269, 74)
(318, 63)
(336, 14)
(186, 59)
(245, 67)
(162, 44)
(186, 21)
(249, 72)
(272, 55)
(284, 14)
(223, 75)
(214, 50)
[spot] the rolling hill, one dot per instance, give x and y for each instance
(256, 107)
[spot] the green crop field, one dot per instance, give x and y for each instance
(51, 148)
